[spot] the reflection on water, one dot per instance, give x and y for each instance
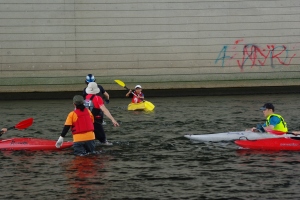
(150, 158)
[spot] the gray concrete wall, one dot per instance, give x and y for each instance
(52, 45)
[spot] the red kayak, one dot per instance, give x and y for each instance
(31, 144)
(274, 144)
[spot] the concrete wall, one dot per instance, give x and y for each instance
(165, 44)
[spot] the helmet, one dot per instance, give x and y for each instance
(90, 78)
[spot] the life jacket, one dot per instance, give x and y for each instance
(88, 103)
(282, 126)
(84, 122)
(97, 112)
(135, 99)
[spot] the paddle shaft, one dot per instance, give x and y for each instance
(21, 125)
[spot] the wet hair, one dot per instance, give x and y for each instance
(81, 107)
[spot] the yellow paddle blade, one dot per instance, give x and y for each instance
(121, 83)
(149, 106)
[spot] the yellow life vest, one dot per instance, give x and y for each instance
(282, 126)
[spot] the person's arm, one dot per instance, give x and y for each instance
(274, 120)
(141, 96)
(106, 95)
(68, 124)
(107, 113)
(65, 130)
(296, 132)
(128, 93)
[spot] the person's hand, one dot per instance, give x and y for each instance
(115, 123)
(253, 129)
(3, 130)
(59, 142)
(107, 101)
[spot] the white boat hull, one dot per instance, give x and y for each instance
(216, 137)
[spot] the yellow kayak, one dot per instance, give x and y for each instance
(145, 105)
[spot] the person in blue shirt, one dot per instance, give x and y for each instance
(273, 121)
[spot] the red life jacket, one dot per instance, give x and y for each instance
(84, 122)
(135, 99)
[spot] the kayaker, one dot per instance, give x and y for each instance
(81, 121)
(3, 130)
(136, 95)
(91, 78)
(273, 121)
(96, 105)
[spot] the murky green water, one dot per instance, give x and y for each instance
(150, 158)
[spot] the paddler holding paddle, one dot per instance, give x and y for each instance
(137, 95)
(273, 121)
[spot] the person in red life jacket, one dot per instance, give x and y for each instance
(102, 93)
(136, 95)
(95, 104)
(81, 123)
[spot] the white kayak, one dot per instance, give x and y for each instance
(216, 137)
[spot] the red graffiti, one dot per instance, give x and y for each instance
(254, 55)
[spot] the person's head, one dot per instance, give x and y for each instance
(267, 109)
(89, 78)
(138, 89)
(92, 88)
(78, 102)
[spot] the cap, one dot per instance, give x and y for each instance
(267, 106)
(138, 86)
(90, 78)
(78, 100)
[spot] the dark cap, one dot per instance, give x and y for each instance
(78, 99)
(267, 106)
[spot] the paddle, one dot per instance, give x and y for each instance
(149, 106)
(276, 132)
(21, 125)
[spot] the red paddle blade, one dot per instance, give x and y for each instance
(275, 132)
(24, 124)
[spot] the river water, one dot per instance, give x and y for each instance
(150, 158)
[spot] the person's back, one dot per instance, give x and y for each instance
(103, 94)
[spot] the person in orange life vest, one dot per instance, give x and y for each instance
(137, 95)
(96, 107)
(81, 123)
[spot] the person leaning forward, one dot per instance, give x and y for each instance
(273, 121)
(81, 122)
(96, 105)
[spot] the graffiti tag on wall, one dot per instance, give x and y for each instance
(255, 55)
